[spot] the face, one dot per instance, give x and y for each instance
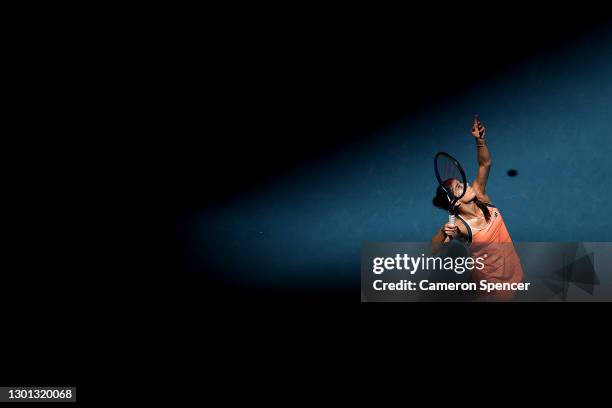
(457, 189)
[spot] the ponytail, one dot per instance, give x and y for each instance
(484, 208)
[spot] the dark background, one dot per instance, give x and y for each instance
(238, 81)
(133, 116)
(333, 79)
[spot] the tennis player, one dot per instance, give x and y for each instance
(480, 224)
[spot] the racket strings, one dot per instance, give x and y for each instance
(451, 171)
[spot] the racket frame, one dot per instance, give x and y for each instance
(451, 196)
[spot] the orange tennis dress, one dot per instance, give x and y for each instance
(501, 262)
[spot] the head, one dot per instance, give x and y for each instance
(441, 199)
(456, 187)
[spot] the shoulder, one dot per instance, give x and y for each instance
(483, 198)
(481, 195)
(478, 189)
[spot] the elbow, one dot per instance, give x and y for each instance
(486, 163)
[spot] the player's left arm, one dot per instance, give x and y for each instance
(484, 159)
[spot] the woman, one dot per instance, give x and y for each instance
(480, 224)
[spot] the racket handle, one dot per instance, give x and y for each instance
(451, 219)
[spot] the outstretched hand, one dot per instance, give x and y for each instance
(478, 129)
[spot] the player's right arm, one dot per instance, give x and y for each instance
(444, 235)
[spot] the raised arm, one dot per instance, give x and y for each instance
(483, 156)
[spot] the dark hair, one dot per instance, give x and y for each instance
(441, 201)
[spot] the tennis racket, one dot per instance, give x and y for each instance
(448, 169)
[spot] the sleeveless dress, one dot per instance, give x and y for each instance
(494, 245)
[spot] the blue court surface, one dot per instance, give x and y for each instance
(550, 119)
